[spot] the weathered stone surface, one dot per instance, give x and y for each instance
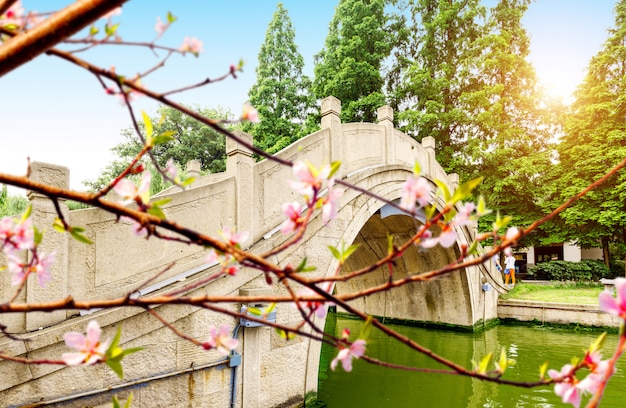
(248, 196)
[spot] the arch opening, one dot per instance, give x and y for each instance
(444, 301)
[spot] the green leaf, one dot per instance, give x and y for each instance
(110, 30)
(58, 225)
(161, 202)
(170, 17)
(148, 126)
(76, 233)
(598, 343)
(303, 268)
(188, 181)
(389, 244)
(334, 167)
(335, 252)
(429, 211)
(473, 249)
(116, 403)
(93, 30)
(163, 138)
(27, 212)
(255, 311)
(366, 328)
(417, 170)
(156, 211)
(444, 190)
(285, 334)
(465, 189)
(542, 370)
(38, 236)
(484, 364)
(503, 363)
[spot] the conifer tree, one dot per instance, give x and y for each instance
(281, 92)
(433, 69)
(510, 124)
(349, 65)
(594, 141)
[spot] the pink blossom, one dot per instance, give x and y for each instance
(192, 45)
(598, 369)
(14, 15)
(17, 235)
(249, 112)
(615, 306)
(234, 239)
(129, 191)
(171, 169)
(138, 229)
(356, 350)
(90, 349)
(221, 340)
(331, 202)
(317, 307)
(512, 234)
(42, 268)
(39, 265)
(308, 181)
(446, 239)
(293, 221)
(415, 189)
(160, 27)
(229, 264)
(568, 388)
(465, 216)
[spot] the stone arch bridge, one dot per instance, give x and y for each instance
(267, 371)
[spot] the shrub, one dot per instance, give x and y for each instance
(585, 270)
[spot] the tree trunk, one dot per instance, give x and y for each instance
(605, 251)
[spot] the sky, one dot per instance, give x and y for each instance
(54, 112)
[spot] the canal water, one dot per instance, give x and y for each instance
(374, 386)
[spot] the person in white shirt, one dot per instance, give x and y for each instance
(509, 269)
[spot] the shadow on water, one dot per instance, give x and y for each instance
(373, 386)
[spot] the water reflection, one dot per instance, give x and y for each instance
(372, 386)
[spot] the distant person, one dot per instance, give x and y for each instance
(496, 262)
(509, 269)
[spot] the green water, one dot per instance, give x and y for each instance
(374, 386)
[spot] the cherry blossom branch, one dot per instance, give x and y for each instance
(29, 361)
(25, 46)
(594, 402)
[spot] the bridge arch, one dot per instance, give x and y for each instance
(248, 196)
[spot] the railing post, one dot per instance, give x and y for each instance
(193, 168)
(428, 143)
(239, 163)
(43, 216)
(385, 118)
(331, 109)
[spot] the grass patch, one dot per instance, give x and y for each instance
(559, 292)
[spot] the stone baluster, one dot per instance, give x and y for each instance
(239, 163)
(454, 180)
(331, 109)
(428, 143)
(385, 118)
(43, 216)
(193, 168)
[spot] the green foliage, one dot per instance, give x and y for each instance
(11, 204)
(585, 270)
(178, 137)
(281, 92)
(594, 141)
(349, 65)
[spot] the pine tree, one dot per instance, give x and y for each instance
(349, 65)
(594, 141)
(506, 140)
(281, 92)
(432, 71)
